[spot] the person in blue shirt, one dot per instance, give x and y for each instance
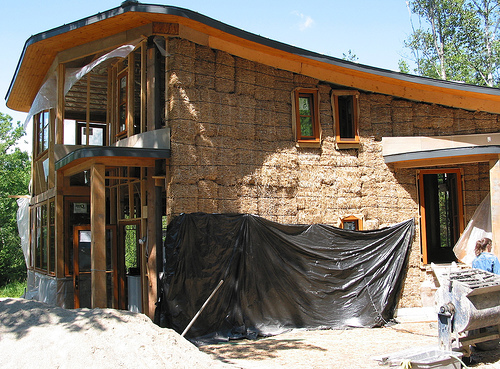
(485, 260)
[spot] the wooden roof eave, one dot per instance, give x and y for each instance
(41, 50)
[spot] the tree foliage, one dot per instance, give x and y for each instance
(456, 40)
(14, 180)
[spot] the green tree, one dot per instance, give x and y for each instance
(14, 179)
(456, 40)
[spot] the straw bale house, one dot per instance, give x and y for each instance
(143, 112)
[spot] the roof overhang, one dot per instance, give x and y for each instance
(41, 50)
(111, 156)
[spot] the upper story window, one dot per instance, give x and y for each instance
(122, 103)
(42, 125)
(346, 112)
(306, 121)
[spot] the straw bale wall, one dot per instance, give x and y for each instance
(233, 149)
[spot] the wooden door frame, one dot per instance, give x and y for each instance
(114, 262)
(460, 202)
(121, 259)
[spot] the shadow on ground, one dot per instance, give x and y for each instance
(18, 316)
(256, 350)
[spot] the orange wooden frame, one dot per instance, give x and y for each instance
(335, 104)
(313, 93)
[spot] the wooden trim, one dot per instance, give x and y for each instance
(315, 116)
(350, 218)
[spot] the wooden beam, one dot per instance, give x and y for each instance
(151, 237)
(98, 236)
(61, 70)
(495, 204)
(59, 236)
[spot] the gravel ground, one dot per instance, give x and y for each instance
(33, 334)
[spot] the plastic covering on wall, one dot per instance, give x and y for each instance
(277, 277)
(23, 225)
(46, 97)
(49, 289)
(478, 227)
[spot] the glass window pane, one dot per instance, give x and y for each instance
(346, 117)
(306, 127)
(305, 105)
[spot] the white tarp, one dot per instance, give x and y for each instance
(478, 227)
(46, 97)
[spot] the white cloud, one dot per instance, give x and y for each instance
(305, 21)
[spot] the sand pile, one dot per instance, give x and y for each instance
(33, 334)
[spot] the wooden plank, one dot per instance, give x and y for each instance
(98, 236)
(130, 95)
(59, 226)
(143, 87)
(61, 70)
(151, 237)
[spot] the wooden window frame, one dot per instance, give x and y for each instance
(122, 103)
(352, 218)
(460, 204)
(41, 246)
(315, 139)
(42, 129)
(335, 108)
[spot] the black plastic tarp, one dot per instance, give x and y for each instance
(278, 277)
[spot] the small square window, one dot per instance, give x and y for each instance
(345, 108)
(306, 121)
(351, 223)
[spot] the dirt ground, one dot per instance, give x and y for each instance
(33, 334)
(346, 349)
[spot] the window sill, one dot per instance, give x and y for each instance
(309, 143)
(348, 145)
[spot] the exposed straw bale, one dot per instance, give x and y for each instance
(233, 149)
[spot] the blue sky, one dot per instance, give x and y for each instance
(373, 29)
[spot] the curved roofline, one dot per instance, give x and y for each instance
(210, 22)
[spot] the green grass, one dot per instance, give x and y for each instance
(13, 289)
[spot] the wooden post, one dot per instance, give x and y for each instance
(61, 70)
(151, 237)
(98, 238)
(495, 204)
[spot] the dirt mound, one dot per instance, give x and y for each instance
(34, 334)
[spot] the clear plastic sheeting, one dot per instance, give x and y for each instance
(46, 97)
(49, 289)
(278, 277)
(479, 226)
(23, 225)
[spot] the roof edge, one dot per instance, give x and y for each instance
(189, 14)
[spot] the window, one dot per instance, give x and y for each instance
(345, 108)
(441, 211)
(122, 103)
(306, 109)
(44, 240)
(351, 223)
(42, 122)
(96, 136)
